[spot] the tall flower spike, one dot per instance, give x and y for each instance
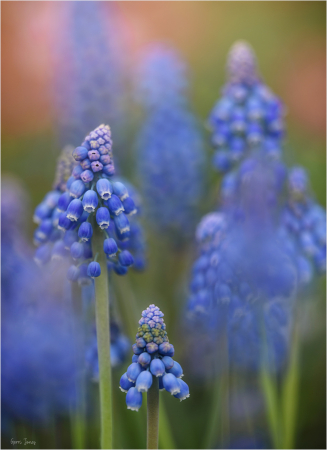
(170, 148)
(90, 71)
(248, 115)
(152, 359)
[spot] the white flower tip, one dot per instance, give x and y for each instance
(123, 390)
(184, 398)
(142, 389)
(132, 408)
(175, 391)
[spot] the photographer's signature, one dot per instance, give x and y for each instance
(24, 442)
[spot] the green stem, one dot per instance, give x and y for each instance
(103, 339)
(219, 409)
(269, 389)
(215, 413)
(290, 391)
(153, 415)
(77, 413)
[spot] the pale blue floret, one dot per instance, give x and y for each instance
(170, 383)
(90, 201)
(103, 217)
(125, 384)
(74, 210)
(157, 367)
(184, 390)
(77, 188)
(144, 381)
(115, 205)
(176, 370)
(133, 371)
(122, 224)
(104, 188)
(85, 231)
(133, 399)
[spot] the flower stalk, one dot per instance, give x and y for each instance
(153, 415)
(103, 339)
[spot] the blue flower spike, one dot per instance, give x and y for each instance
(152, 360)
(85, 197)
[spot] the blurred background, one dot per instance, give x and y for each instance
(289, 41)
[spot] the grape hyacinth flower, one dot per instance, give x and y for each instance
(152, 369)
(248, 115)
(65, 215)
(169, 146)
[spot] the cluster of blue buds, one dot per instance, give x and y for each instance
(119, 348)
(90, 199)
(303, 227)
(152, 358)
(248, 115)
(170, 147)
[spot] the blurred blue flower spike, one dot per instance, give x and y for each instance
(90, 71)
(244, 282)
(170, 147)
(248, 115)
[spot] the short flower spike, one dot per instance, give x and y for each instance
(152, 358)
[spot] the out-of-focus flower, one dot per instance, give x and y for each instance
(303, 227)
(248, 115)
(244, 282)
(152, 358)
(41, 367)
(161, 78)
(90, 74)
(169, 145)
